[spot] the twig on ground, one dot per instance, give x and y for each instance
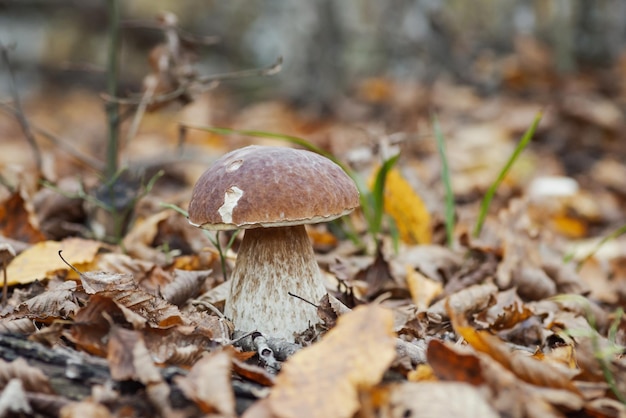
(266, 354)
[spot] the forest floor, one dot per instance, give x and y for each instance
(429, 315)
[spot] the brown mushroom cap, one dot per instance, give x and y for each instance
(262, 186)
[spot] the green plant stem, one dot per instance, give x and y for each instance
(112, 108)
(613, 235)
(447, 182)
(484, 206)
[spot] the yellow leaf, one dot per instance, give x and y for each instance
(407, 209)
(423, 290)
(324, 380)
(42, 259)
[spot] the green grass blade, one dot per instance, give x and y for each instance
(378, 195)
(484, 206)
(613, 235)
(447, 181)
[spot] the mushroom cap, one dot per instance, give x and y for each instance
(264, 186)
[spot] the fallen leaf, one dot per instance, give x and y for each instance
(42, 259)
(186, 285)
(436, 399)
(32, 378)
(448, 364)
(17, 220)
(58, 302)
(423, 289)
(525, 367)
(407, 209)
(470, 299)
(129, 359)
(324, 380)
(208, 384)
(85, 409)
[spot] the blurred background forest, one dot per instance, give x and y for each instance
(391, 62)
(328, 46)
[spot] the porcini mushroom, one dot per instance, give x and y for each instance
(272, 192)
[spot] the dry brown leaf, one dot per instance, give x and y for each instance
(252, 372)
(436, 399)
(90, 329)
(155, 310)
(533, 283)
(24, 326)
(101, 281)
(42, 259)
(208, 384)
(449, 364)
(526, 368)
(260, 409)
(84, 409)
(186, 285)
(179, 345)
(324, 380)
(470, 299)
(508, 311)
(32, 378)
(53, 303)
(17, 220)
(129, 359)
(138, 241)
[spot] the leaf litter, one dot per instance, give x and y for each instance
(523, 320)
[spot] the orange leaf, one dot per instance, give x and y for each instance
(324, 380)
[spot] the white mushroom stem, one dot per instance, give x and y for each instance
(271, 263)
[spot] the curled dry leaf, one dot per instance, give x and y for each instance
(470, 299)
(186, 285)
(32, 378)
(533, 283)
(208, 384)
(508, 311)
(138, 241)
(179, 345)
(17, 220)
(331, 308)
(24, 326)
(324, 380)
(423, 289)
(436, 399)
(101, 281)
(251, 372)
(129, 359)
(450, 364)
(526, 368)
(54, 303)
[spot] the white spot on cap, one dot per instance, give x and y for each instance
(231, 197)
(234, 166)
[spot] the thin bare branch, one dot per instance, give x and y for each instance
(19, 114)
(82, 158)
(200, 83)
